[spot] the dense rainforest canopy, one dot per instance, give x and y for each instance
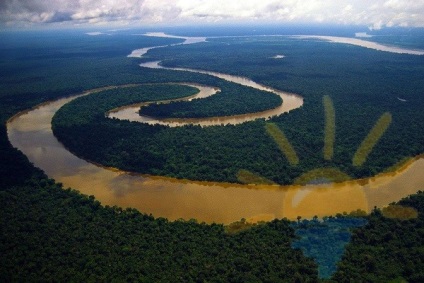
(54, 234)
(374, 86)
(232, 100)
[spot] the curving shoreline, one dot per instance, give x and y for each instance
(30, 132)
(290, 101)
(138, 53)
(130, 112)
(363, 43)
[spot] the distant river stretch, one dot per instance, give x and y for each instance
(31, 133)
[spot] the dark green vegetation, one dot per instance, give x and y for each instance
(362, 83)
(234, 100)
(51, 234)
(283, 144)
(177, 152)
(94, 106)
(386, 249)
(361, 93)
(44, 65)
(50, 64)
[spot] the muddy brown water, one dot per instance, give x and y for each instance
(30, 132)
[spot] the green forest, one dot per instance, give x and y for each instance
(232, 100)
(51, 233)
(361, 94)
(56, 234)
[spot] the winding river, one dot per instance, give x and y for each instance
(31, 133)
(291, 101)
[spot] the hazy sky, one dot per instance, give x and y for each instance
(372, 13)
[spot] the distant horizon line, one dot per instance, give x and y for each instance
(114, 28)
